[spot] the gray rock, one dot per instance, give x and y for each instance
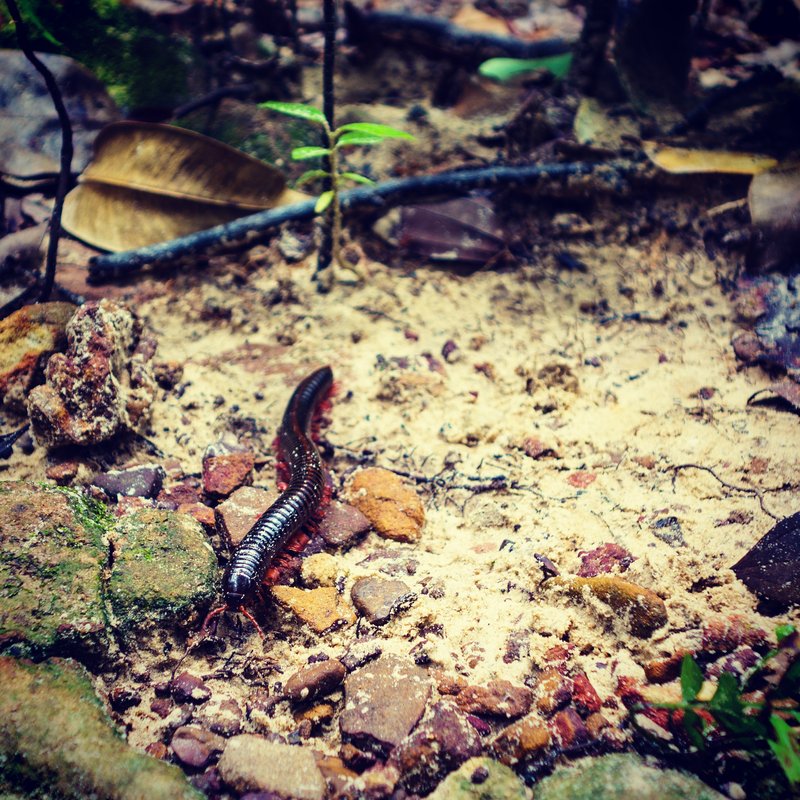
(250, 763)
(621, 775)
(142, 481)
(384, 700)
(342, 525)
(379, 600)
(480, 779)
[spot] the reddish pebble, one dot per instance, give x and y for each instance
(188, 688)
(568, 728)
(581, 479)
(195, 746)
(161, 706)
(609, 557)
(584, 695)
(224, 473)
(157, 750)
(497, 698)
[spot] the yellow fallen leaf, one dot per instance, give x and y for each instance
(681, 161)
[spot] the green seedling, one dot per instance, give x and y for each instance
(504, 69)
(732, 721)
(354, 134)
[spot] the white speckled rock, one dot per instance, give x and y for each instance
(250, 763)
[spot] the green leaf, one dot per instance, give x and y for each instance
(298, 110)
(727, 695)
(355, 138)
(355, 177)
(382, 131)
(304, 153)
(782, 631)
(311, 175)
(691, 679)
(503, 69)
(693, 725)
(786, 749)
(323, 201)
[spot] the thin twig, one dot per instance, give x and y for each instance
(744, 489)
(380, 198)
(46, 286)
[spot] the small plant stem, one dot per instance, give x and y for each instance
(45, 287)
(329, 246)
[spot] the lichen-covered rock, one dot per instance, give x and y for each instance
(379, 599)
(51, 552)
(321, 609)
(390, 504)
(621, 775)
(524, 738)
(27, 337)
(162, 568)
(103, 383)
(480, 779)
(54, 734)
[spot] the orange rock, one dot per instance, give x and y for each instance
(392, 506)
(644, 609)
(320, 609)
(519, 739)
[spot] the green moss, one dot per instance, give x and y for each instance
(93, 515)
(55, 738)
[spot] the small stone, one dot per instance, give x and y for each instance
(121, 699)
(167, 373)
(669, 530)
(620, 775)
(161, 706)
(187, 491)
(642, 610)
(496, 782)
(251, 763)
(320, 609)
(519, 740)
(27, 338)
(202, 513)
(663, 670)
(609, 557)
(393, 507)
(225, 471)
(261, 707)
(596, 723)
(314, 681)
(436, 747)
(498, 698)
(342, 525)
(63, 473)
(222, 716)
(552, 690)
(157, 750)
(384, 700)
(210, 783)
(236, 515)
(726, 634)
(142, 481)
(584, 695)
(536, 448)
(188, 688)
(568, 729)
(319, 569)
(379, 600)
(317, 714)
(360, 652)
(355, 758)
(195, 746)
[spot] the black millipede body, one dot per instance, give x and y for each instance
(294, 507)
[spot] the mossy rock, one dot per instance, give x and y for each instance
(163, 569)
(621, 775)
(481, 779)
(51, 552)
(55, 735)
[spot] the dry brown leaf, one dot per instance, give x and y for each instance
(472, 19)
(149, 183)
(681, 161)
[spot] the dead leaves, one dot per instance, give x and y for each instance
(150, 183)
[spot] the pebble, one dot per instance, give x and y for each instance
(669, 530)
(342, 525)
(202, 513)
(222, 716)
(584, 695)
(315, 681)
(236, 515)
(498, 698)
(142, 481)
(379, 600)
(519, 740)
(552, 690)
(251, 763)
(569, 729)
(384, 700)
(27, 338)
(391, 505)
(642, 610)
(107, 366)
(663, 670)
(360, 652)
(188, 688)
(226, 469)
(320, 569)
(121, 699)
(320, 609)
(195, 746)
(726, 634)
(608, 557)
(438, 745)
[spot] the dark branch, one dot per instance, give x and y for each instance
(46, 287)
(381, 197)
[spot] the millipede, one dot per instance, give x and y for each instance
(280, 527)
